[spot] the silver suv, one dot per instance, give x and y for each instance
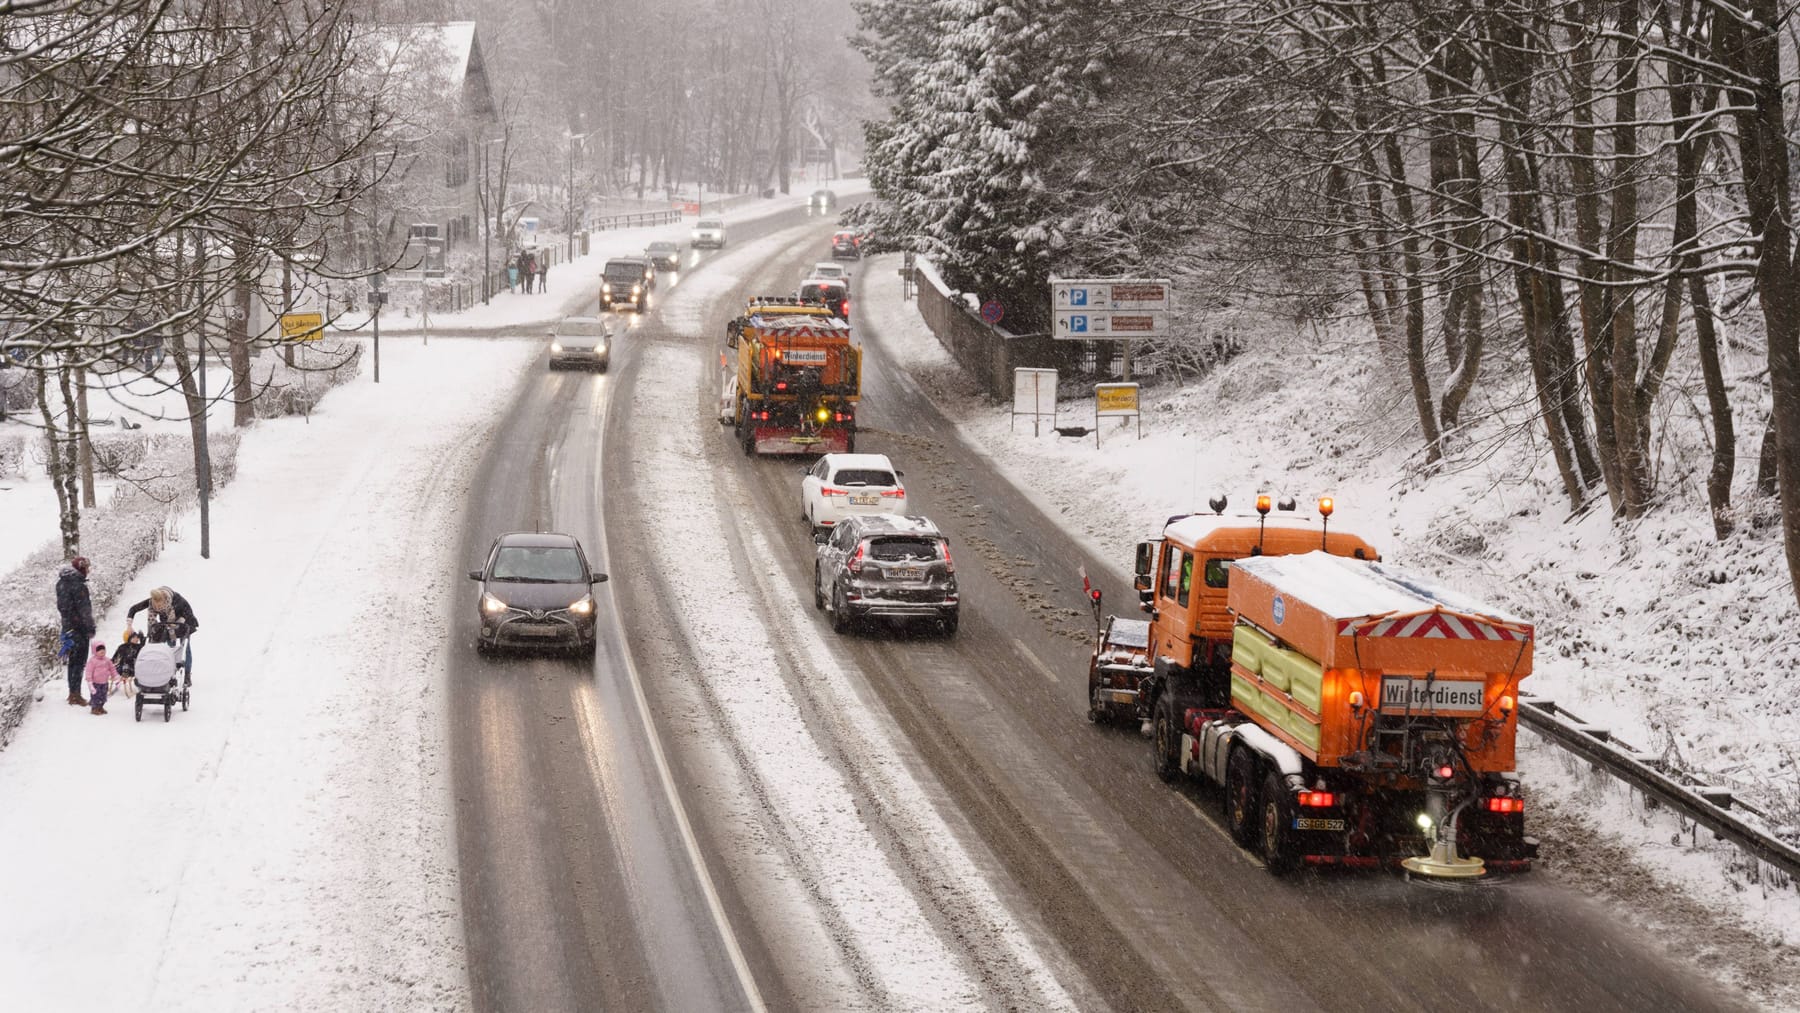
(885, 566)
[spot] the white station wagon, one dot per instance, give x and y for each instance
(845, 485)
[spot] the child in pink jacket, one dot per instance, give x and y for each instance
(100, 673)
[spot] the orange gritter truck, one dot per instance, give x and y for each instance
(797, 379)
(1352, 713)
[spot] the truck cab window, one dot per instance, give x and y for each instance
(1218, 572)
(1187, 577)
(1171, 572)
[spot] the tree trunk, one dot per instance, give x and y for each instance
(86, 454)
(237, 343)
(59, 451)
(1595, 298)
(1751, 45)
(1631, 425)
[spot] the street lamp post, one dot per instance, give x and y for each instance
(569, 192)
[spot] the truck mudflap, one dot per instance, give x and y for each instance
(793, 440)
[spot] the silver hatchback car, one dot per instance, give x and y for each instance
(581, 341)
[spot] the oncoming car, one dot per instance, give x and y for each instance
(838, 486)
(821, 201)
(663, 255)
(626, 281)
(886, 566)
(581, 341)
(708, 233)
(536, 591)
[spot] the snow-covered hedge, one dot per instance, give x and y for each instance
(296, 390)
(12, 455)
(120, 538)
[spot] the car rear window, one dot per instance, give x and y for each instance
(538, 564)
(625, 270)
(902, 548)
(863, 476)
(822, 292)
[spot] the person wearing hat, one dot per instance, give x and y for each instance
(100, 674)
(77, 611)
(168, 609)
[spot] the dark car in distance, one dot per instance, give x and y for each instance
(830, 291)
(886, 566)
(663, 255)
(536, 591)
(626, 281)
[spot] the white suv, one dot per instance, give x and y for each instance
(846, 485)
(708, 232)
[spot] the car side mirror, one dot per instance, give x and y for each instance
(598, 578)
(899, 474)
(474, 574)
(821, 537)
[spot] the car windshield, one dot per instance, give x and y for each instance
(662, 247)
(827, 270)
(710, 223)
(588, 328)
(863, 476)
(624, 270)
(898, 549)
(538, 564)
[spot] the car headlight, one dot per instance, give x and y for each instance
(555, 346)
(635, 289)
(606, 288)
(491, 605)
(584, 607)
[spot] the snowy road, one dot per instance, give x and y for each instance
(890, 822)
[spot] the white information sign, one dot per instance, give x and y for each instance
(1145, 295)
(1034, 394)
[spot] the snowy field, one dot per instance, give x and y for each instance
(1680, 644)
(286, 844)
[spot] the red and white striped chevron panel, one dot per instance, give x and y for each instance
(1433, 624)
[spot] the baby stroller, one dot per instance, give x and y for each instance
(160, 669)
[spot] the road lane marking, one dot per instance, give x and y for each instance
(1037, 663)
(689, 841)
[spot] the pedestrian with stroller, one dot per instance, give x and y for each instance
(77, 611)
(100, 674)
(167, 609)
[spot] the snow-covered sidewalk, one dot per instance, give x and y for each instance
(287, 843)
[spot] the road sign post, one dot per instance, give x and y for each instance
(1116, 401)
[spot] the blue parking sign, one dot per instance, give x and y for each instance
(1078, 324)
(1078, 297)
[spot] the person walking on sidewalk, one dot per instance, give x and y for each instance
(544, 274)
(77, 612)
(100, 674)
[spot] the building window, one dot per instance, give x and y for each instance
(456, 163)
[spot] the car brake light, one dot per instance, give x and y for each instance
(896, 494)
(782, 385)
(856, 561)
(1317, 799)
(944, 547)
(1505, 805)
(829, 491)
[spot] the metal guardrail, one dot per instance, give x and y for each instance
(1707, 806)
(634, 220)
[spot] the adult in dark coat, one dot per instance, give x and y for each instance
(77, 611)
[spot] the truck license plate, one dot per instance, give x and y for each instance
(1304, 823)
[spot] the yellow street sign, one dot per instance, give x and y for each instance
(302, 326)
(1116, 397)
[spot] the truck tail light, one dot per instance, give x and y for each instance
(1505, 805)
(1317, 799)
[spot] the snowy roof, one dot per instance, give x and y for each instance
(1347, 588)
(861, 461)
(1192, 529)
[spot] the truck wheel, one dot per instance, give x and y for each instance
(1278, 851)
(1240, 797)
(1166, 735)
